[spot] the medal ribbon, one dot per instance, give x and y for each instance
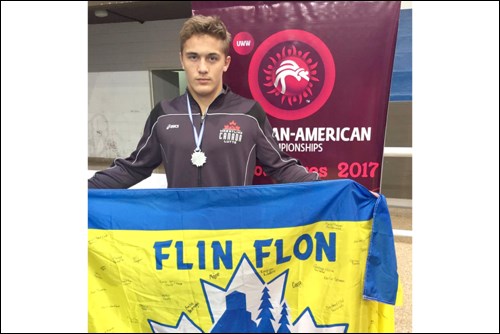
(197, 137)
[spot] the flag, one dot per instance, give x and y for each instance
(302, 257)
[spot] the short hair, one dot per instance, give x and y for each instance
(205, 25)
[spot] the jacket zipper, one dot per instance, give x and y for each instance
(206, 114)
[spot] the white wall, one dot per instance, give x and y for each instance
(120, 58)
(406, 5)
(119, 104)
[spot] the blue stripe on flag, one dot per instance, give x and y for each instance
(266, 206)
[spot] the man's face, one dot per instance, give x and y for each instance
(204, 61)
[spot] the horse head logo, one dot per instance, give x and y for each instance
(291, 74)
(289, 68)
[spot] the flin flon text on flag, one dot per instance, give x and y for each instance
(304, 257)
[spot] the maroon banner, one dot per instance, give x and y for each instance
(322, 72)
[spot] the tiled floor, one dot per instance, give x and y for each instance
(403, 314)
(402, 220)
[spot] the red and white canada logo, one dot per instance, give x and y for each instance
(231, 133)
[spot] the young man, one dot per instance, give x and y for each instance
(209, 136)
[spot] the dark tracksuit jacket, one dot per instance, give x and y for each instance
(237, 132)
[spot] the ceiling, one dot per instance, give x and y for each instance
(138, 11)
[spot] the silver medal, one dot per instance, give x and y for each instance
(198, 158)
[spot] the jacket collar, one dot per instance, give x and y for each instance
(217, 102)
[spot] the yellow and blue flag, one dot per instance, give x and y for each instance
(302, 257)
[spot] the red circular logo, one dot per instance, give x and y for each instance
(292, 74)
(243, 43)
